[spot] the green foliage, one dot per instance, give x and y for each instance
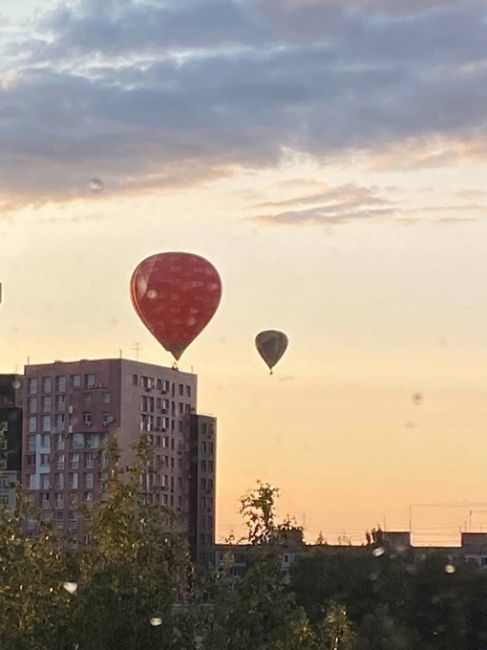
(134, 586)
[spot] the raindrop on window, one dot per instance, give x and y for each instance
(96, 185)
(378, 552)
(450, 568)
(155, 621)
(71, 587)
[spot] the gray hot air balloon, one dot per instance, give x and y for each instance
(271, 345)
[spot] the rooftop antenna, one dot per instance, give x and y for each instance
(120, 352)
(137, 350)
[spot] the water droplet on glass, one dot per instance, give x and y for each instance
(417, 399)
(71, 587)
(373, 577)
(151, 294)
(378, 552)
(155, 621)
(96, 185)
(450, 568)
(191, 321)
(410, 425)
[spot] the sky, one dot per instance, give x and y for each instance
(329, 158)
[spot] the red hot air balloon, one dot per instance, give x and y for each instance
(175, 295)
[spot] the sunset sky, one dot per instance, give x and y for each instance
(329, 158)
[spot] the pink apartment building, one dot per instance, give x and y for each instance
(71, 408)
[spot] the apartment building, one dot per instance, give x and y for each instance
(10, 437)
(202, 448)
(72, 408)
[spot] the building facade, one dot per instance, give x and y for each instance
(72, 408)
(202, 460)
(10, 437)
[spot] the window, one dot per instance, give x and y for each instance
(158, 423)
(59, 502)
(45, 481)
(188, 391)
(30, 459)
(46, 422)
(203, 465)
(211, 447)
(165, 423)
(73, 481)
(3, 444)
(172, 463)
(181, 390)
(106, 398)
(61, 403)
(32, 384)
(46, 384)
(203, 447)
(32, 482)
(180, 408)
(180, 426)
(46, 404)
(106, 417)
(4, 499)
(87, 418)
(78, 441)
(158, 384)
(87, 398)
(60, 442)
(32, 404)
(135, 380)
(210, 465)
(89, 460)
(59, 481)
(203, 484)
(90, 380)
(3, 462)
(31, 443)
(60, 463)
(76, 381)
(172, 443)
(45, 459)
(165, 386)
(74, 461)
(165, 441)
(89, 479)
(165, 480)
(60, 421)
(102, 476)
(88, 497)
(45, 440)
(32, 424)
(61, 384)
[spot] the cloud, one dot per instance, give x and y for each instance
(350, 193)
(323, 215)
(340, 204)
(150, 95)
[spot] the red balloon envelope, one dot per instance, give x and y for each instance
(175, 295)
